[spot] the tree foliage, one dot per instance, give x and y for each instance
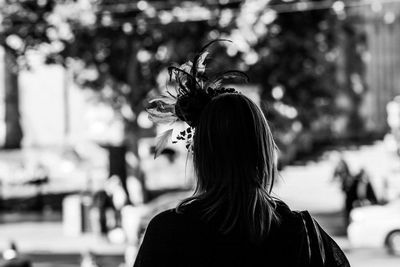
(295, 56)
(120, 48)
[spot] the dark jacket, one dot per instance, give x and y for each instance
(173, 239)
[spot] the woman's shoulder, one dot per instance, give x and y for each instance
(164, 217)
(162, 224)
(288, 218)
(171, 218)
(284, 210)
(172, 215)
(174, 225)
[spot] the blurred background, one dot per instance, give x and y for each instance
(78, 179)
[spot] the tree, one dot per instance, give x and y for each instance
(123, 46)
(295, 55)
(13, 133)
(125, 52)
(22, 27)
(117, 53)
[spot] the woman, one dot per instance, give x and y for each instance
(232, 219)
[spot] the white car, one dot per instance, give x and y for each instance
(376, 226)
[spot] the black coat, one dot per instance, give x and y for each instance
(173, 239)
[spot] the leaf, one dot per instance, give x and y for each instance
(214, 84)
(213, 42)
(187, 66)
(162, 141)
(161, 106)
(200, 66)
(187, 83)
(198, 62)
(162, 118)
(162, 109)
(171, 95)
(178, 72)
(167, 99)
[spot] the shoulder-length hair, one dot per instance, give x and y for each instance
(234, 160)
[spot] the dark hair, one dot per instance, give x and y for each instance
(234, 161)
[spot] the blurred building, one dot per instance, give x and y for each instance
(54, 115)
(380, 22)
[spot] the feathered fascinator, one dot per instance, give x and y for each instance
(193, 91)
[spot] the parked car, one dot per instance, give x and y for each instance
(376, 226)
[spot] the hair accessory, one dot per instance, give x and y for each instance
(193, 91)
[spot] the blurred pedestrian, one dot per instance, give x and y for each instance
(343, 174)
(360, 193)
(107, 205)
(101, 204)
(135, 190)
(39, 178)
(12, 258)
(364, 191)
(119, 198)
(385, 190)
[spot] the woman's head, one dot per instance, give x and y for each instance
(234, 160)
(233, 146)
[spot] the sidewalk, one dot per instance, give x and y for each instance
(47, 237)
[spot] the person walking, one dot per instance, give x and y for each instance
(232, 219)
(343, 174)
(364, 193)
